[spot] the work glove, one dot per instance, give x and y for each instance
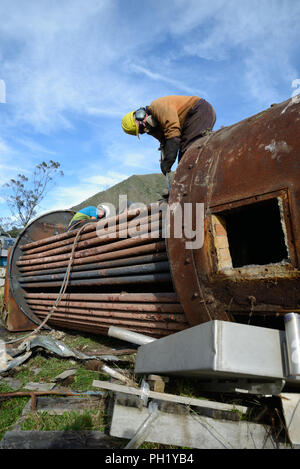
(169, 153)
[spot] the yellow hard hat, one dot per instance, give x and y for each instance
(129, 125)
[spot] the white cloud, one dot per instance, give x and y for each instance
(65, 60)
(73, 68)
(64, 197)
(5, 150)
(132, 154)
(159, 77)
(10, 163)
(34, 147)
(259, 37)
(105, 180)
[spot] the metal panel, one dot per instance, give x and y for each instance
(217, 349)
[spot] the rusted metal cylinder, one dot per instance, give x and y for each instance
(50, 224)
(248, 178)
(134, 259)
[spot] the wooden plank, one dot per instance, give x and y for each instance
(192, 430)
(188, 401)
(57, 406)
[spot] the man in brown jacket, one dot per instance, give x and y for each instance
(176, 121)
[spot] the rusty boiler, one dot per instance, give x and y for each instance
(120, 276)
(247, 179)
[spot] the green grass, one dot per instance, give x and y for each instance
(48, 367)
(43, 367)
(84, 379)
(42, 421)
(10, 410)
(94, 342)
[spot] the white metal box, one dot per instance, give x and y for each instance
(216, 350)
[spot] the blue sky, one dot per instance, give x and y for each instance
(73, 68)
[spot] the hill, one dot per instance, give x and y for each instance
(145, 188)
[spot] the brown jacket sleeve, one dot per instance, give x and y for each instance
(171, 111)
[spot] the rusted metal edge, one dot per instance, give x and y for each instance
(23, 237)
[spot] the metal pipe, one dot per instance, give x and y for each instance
(139, 262)
(115, 271)
(97, 238)
(142, 307)
(89, 231)
(102, 329)
(115, 374)
(99, 313)
(118, 254)
(156, 257)
(126, 280)
(166, 297)
(100, 224)
(94, 251)
(292, 331)
(129, 336)
(167, 326)
(171, 321)
(96, 241)
(112, 317)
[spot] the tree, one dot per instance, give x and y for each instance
(8, 228)
(26, 193)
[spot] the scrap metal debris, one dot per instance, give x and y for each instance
(19, 355)
(14, 362)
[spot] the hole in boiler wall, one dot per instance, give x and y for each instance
(255, 234)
